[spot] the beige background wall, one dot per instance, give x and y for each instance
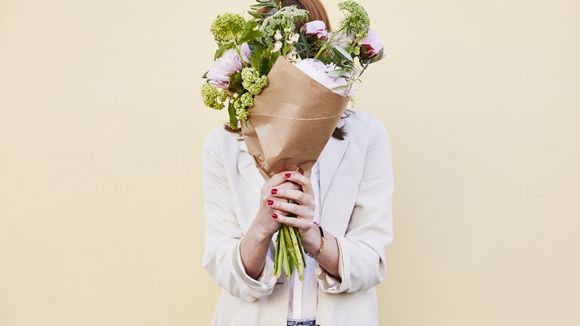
(101, 127)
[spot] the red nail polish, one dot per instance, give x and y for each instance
(274, 191)
(270, 202)
(287, 175)
(275, 215)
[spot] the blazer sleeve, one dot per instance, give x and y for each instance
(362, 250)
(223, 234)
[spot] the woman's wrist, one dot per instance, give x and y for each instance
(311, 239)
(260, 233)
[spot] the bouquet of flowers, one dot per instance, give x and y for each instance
(285, 82)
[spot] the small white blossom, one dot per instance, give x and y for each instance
(294, 38)
(277, 46)
(278, 35)
(293, 56)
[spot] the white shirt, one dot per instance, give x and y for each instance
(303, 295)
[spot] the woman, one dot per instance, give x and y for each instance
(344, 217)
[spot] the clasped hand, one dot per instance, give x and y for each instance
(287, 193)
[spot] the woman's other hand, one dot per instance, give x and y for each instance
(299, 202)
(265, 221)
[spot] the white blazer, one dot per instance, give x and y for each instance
(356, 189)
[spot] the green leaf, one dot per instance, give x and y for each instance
(255, 14)
(342, 52)
(336, 73)
(261, 5)
(249, 33)
(269, 63)
(220, 51)
(257, 58)
(236, 82)
(233, 118)
(250, 36)
(205, 75)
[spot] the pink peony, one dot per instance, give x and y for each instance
(372, 47)
(316, 28)
(246, 52)
(223, 68)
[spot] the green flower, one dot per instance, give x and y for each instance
(227, 28)
(212, 97)
(242, 104)
(356, 19)
(284, 20)
(252, 81)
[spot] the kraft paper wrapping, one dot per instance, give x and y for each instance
(291, 121)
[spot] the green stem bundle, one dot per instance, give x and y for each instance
(289, 252)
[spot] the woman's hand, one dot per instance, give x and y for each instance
(265, 221)
(302, 203)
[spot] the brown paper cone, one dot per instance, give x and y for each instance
(291, 121)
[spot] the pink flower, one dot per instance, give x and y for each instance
(223, 68)
(372, 47)
(316, 28)
(246, 52)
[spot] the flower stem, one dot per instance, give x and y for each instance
(276, 255)
(327, 43)
(291, 250)
(297, 252)
(279, 255)
(285, 256)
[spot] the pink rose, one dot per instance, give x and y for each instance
(223, 68)
(372, 47)
(316, 28)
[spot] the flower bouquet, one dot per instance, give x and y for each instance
(285, 82)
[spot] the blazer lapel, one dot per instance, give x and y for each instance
(329, 160)
(247, 168)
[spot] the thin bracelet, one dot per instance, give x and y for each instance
(321, 243)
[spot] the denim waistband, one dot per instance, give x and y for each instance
(301, 322)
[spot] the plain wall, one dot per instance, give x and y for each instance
(101, 128)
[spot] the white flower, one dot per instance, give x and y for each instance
(292, 56)
(278, 35)
(294, 38)
(277, 46)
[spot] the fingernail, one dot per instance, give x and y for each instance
(287, 175)
(274, 191)
(275, 215)
(270, 202)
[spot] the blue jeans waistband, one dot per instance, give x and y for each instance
(301, 322)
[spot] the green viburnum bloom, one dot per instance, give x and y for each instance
(212, 97)
(252, 81)
(242, 104)
(227, 28)
(356, 19)
(285, 20)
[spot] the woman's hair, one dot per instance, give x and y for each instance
(316, 11)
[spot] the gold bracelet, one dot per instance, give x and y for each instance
(321, 243)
